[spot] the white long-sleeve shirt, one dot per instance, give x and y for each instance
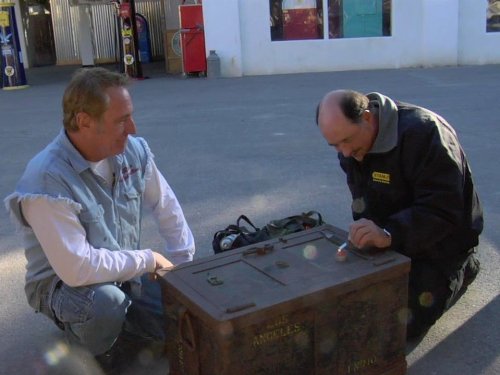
(76, 262)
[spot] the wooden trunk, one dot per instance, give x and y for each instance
(288, 306)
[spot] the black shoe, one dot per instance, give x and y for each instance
(105, 361)
(130, 353)
(471, 270)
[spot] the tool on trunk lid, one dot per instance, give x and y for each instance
(341, 255)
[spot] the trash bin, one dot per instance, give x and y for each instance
(213, 65)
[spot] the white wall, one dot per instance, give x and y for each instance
(476, 46)
(439, 38)
(424, 33)
(222, 34)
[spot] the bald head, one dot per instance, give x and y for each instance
(351, 103)
(346, 122)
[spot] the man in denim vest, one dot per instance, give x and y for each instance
(79, 204)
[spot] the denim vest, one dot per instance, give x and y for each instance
(111, 215)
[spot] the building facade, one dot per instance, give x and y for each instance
(400, 33)
(255, 37)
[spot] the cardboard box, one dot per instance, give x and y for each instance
(288, 306)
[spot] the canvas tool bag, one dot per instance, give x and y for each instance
(238, 235)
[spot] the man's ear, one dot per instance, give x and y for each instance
(367, 115)
(83, 120)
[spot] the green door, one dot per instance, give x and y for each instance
(362, 18)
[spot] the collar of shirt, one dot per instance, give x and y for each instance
(78, 162)
(103, 169)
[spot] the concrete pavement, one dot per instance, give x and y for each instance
(249, 145)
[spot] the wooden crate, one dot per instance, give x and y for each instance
(287, 306)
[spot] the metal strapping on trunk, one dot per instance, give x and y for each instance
(185, 325)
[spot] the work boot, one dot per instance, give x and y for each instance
(129, 354)
(471, 270)
(105, 361)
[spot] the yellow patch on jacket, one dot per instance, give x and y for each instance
(384, 178)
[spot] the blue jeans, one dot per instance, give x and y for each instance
(94, 316)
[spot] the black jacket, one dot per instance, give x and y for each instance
(416, 183)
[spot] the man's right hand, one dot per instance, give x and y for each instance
(365, 233)
(161, 262)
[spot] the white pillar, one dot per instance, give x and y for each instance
(85, 36)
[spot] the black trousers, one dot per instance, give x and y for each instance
(433, 288)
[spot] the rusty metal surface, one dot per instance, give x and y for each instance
(288, 306)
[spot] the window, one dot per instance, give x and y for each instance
(493, 16)
(303, 19)
(296, 19)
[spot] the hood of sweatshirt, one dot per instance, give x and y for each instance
(387, 137)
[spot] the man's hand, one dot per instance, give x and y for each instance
(365, 233)
(161, 262)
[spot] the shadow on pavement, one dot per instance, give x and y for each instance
(468, 350)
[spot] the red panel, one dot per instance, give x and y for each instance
(300, 24)
(193, 51)
(191, 16)
(192, 38)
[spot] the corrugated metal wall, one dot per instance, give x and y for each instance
(105, 34)
(65, 20)
(155, 15)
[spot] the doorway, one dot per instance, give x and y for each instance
(37, 22)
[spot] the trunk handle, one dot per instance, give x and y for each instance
(188, 341)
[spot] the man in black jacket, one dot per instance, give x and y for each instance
(412, 192)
